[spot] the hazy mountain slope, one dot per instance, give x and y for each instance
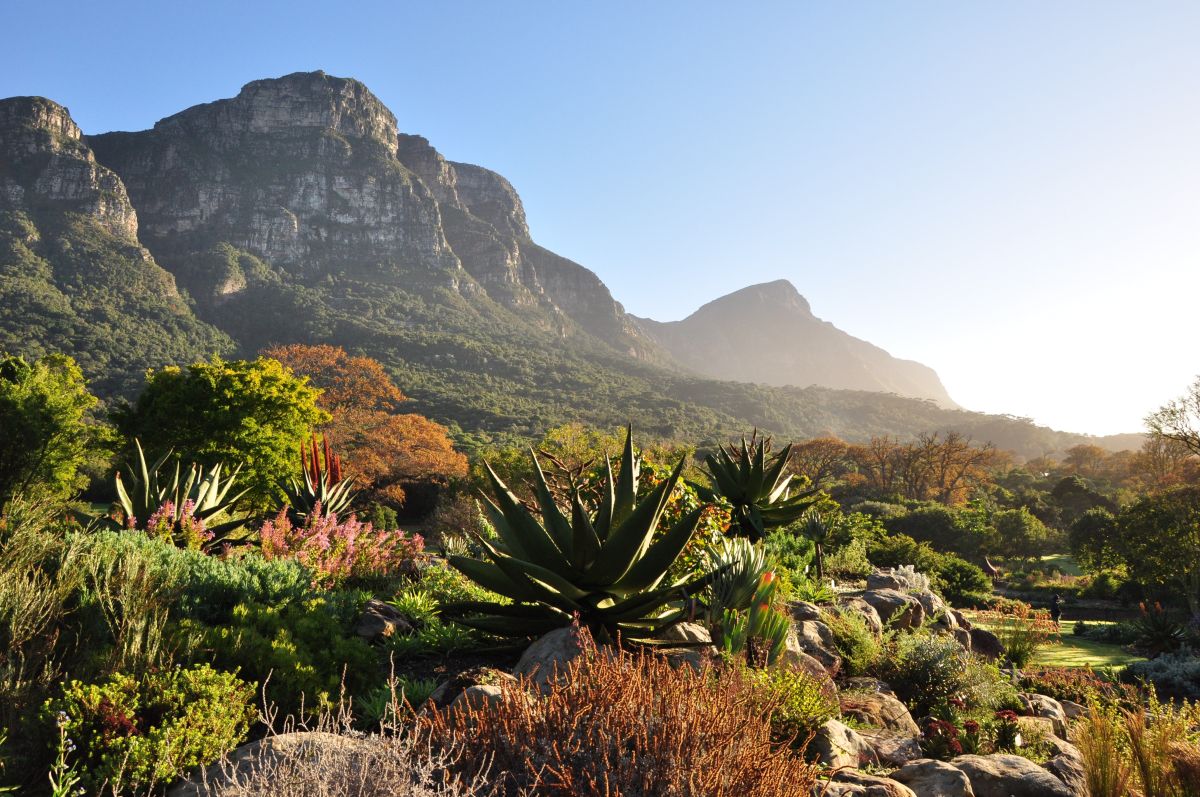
(767, 333)
(73, 277)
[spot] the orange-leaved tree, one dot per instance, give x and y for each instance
(384, 450)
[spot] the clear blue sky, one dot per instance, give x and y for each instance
(1007, 192)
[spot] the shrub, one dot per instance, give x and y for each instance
(802, 704)
(1021, 629)
(1157, 631)
(304, 648)
(791, 551)
(959, 581)
(131, 733)
(623, 723)
(1174, 676)
(348, 766)
(44, 431)
(923, 669)
(856, 643)
(337, 551)
(849, 562)
(1078, 684)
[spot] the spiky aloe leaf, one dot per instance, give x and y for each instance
(521, 531)
(630, 539)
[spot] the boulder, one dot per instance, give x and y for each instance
(448, 691)
(687, 634)
(545, 659)
(1072, 709)
(380, 620)
(884, 579)
(1035, 727)
(863, 684)
(936, 608)
(929, 778)
(986, 644)
(963, 637)
(794, 658)
(892, 748)
(961, 619)
(1067, 765)
(1042, 706)
(220, 778)
(896, 608)
(852, 783)
(803, 610)
(478, 696)
(814, 638)
(695, 658)
(1006, 775)
(878, 710)
(868, 612)
(834, 745)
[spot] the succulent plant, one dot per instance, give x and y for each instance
(758, 491)
(204, 494)
(761, 631)
(740, 566)
(607, 567)
(323, 483)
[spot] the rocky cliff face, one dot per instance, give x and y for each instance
(309, 174)
(46, 164)
(768, 334)
(73, 276)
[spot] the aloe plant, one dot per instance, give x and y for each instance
(607, 567)
(761, 631)
(204, 494)
(758, 490)
(740, 566)
(323, 483)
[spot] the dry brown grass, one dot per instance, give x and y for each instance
(625, 724)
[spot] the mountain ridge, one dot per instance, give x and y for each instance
(297, 211)
(767, 333)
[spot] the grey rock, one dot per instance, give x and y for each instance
(1072, 709)
(816, 639)
(935, 607)
(892, 748)
(878, 710)
(986, 644)
(852, 783)
(380, 620)
(688, 634)
(896, 608)
(1068, 766)
(836, 745)
(930, 778)
(1043, 706)
(1006, 775)
(869, 613)
(864, 684)
(220, 778)
(448, 691)
(478, 696)
(803, 610)
(882, 579)
(961, 619)
(546, 659)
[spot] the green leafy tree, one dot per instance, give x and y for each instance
(253, 413)
(1022, 535)
(1159, 539)
(45, 434)
(1095, 542)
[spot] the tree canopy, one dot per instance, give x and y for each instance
(44, 431)
(253, 413)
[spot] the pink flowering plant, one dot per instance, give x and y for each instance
(336, 550)
(177, 525)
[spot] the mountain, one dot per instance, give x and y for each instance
(298, 212)
(73, 276)
(767, 333)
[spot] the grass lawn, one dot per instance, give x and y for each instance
(1074, 651)
(1065, 562)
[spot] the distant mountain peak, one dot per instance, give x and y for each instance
(778, 295)
(767, 333)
